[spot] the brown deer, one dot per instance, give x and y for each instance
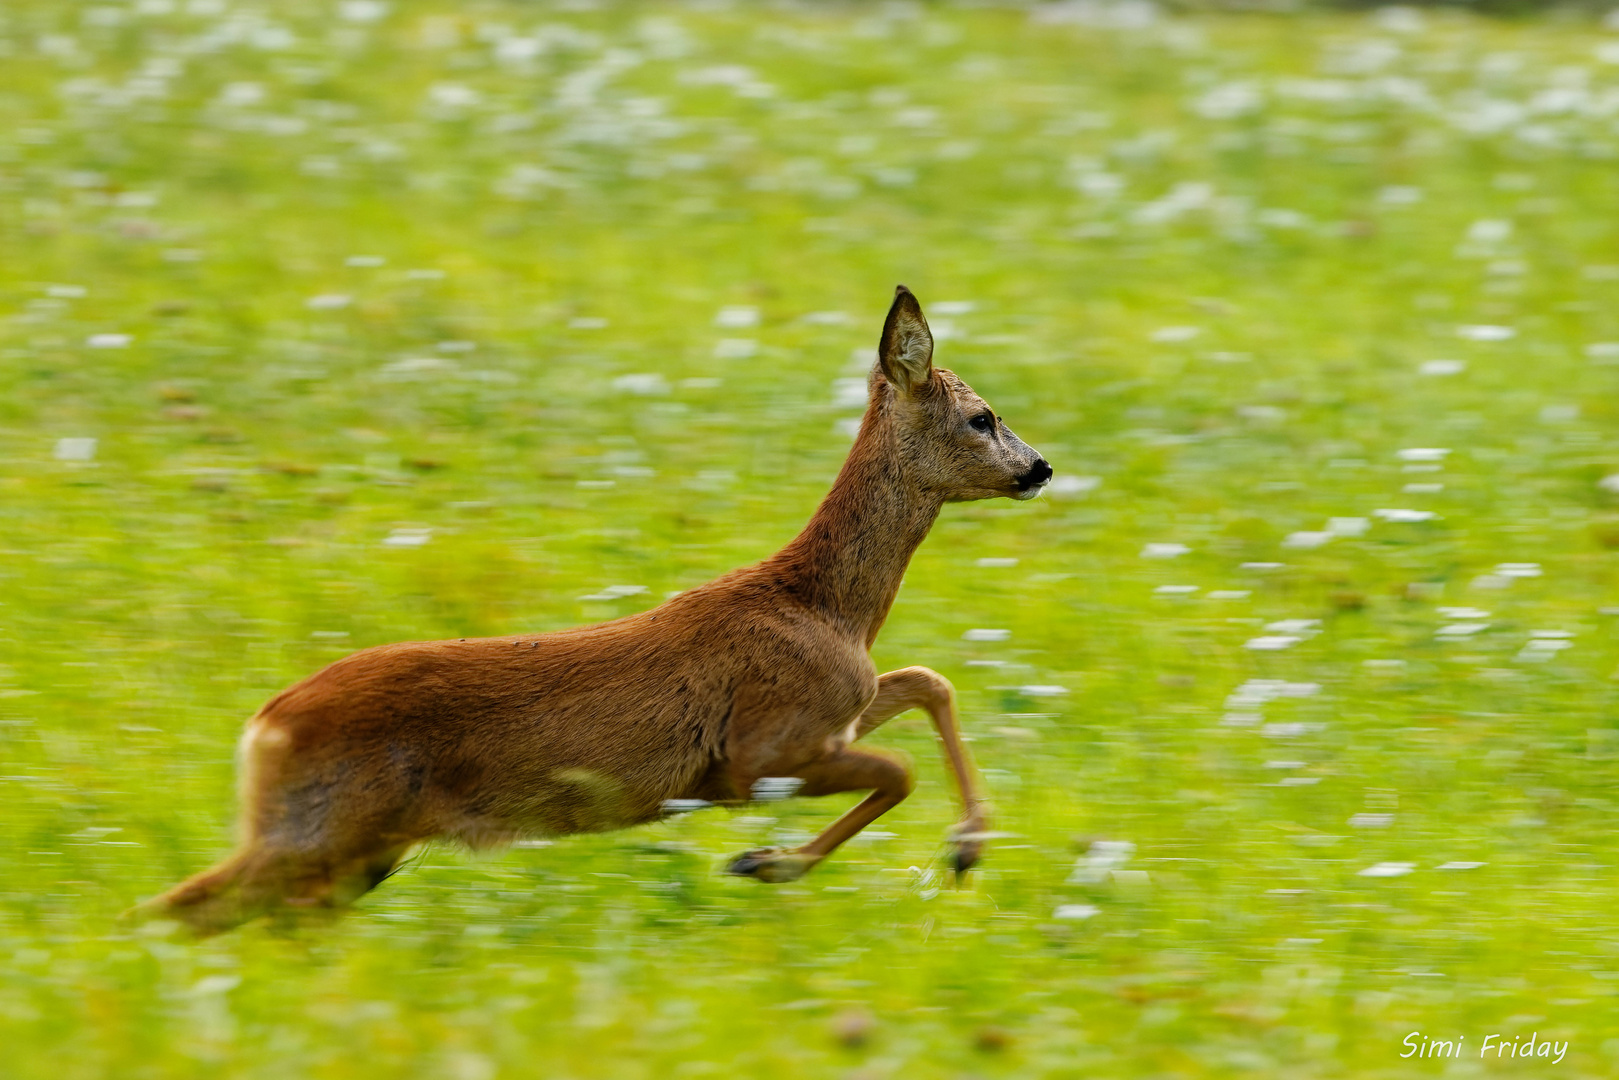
(763, 673)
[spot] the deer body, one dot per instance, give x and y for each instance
(764, 672)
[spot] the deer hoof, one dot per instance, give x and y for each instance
(966, 855)
(773, 865)
(967, 844)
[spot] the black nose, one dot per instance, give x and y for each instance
(1039, 474)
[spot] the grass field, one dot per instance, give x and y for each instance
(427, 319)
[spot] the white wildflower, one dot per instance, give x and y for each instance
(403, 538)
(737, 317)
(645, 384)
(75, 448)
(1388, 869)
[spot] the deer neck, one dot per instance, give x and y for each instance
(849, 560)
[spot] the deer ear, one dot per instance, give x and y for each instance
(906, 351)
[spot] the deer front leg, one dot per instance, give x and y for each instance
(888, 780)
(924, 688)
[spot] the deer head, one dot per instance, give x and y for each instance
(951, 442)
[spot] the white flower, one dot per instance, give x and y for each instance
(735, 348)
(1442, 367)
(1229, 100)
(75, 448)
(987, 635)
(1544, 644)
(1256, 692)
(108, 341)
(1272, 642)
(362, 11)
(1423, 453)
(1486, 333)
(407, 538)
(1104, 857)
(1347, 526)
(1164, 551)
(1388, 869)
(1405, 515)
(1400, 20)
(1075, 911)
(416, 367)
(1278, 217)
(850, 393)
(736, 317)
(328, 302)
(1307, 539)
(614, 592)
(1489, 231)
(646, 385)
(1079, 485)
(241, 93)
(453, 95)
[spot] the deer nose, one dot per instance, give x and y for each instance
(1037, 475)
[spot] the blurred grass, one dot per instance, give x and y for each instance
(1201, 260)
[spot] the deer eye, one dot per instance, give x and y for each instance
(982, 422)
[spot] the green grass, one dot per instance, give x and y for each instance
(1202, 261)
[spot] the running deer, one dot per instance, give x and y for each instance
(762, 673)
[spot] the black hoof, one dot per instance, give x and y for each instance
(773, 865)
(747, 864)
(965, 858)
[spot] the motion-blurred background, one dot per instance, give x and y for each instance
(326, 323)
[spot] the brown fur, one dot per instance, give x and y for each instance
(763, 672)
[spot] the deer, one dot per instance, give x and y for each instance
(761, 675)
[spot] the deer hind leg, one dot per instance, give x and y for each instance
(309, 841)
(889, 782)
(923, 688)
(261, 878)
